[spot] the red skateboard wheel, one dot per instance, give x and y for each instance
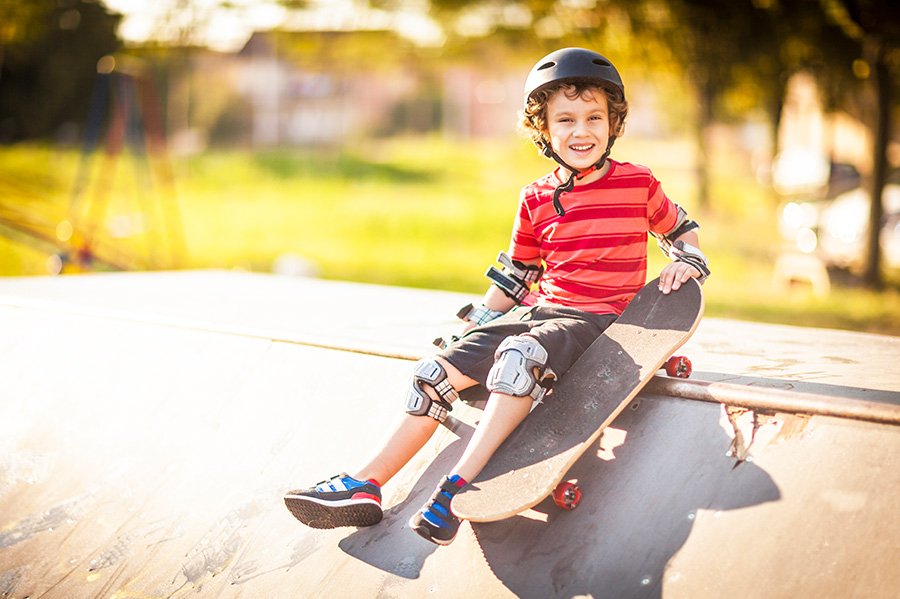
(678, 366)
(567, 495)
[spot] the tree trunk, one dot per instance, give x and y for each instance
(704, 121)
(881, 82)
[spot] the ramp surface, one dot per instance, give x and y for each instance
(149, 424)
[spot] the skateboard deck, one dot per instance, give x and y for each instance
(527, 467)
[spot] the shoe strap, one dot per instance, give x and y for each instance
(445, 492)
(338, 477)
(441, 498)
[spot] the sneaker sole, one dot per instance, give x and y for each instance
(423, 532)
(317, 515)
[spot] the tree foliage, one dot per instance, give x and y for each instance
(48, 62)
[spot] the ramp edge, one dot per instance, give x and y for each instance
(748, 396)
(775, 400)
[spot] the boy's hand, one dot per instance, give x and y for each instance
(674, 274)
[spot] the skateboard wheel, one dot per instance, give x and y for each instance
(678, 366)
(567, 495)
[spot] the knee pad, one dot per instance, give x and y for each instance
(429, 372)
(520, 368)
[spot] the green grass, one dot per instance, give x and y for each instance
(421, 212)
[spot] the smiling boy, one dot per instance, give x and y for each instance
(580, 235)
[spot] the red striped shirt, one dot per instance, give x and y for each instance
(596, 255)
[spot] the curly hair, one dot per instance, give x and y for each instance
(533, 118)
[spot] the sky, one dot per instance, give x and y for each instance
(227, 29)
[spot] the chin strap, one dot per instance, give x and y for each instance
(575, 175)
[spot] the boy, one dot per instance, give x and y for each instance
(580, 234)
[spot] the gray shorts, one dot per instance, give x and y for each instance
(564, 332)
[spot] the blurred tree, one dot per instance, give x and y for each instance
(21, 20)
(48, 61)
(870, 32)
(853, 49)
(717, 44)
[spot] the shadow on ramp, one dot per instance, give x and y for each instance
(637, 510)
(390, 546)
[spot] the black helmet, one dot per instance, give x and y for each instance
(570, 63)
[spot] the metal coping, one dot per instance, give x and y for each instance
(768, 399)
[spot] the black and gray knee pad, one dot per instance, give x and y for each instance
(521, 368)
(429, 372)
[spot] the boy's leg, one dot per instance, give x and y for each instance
(356, 500)
(502, 414)
(408, 434)
(562, 338)
(515, 380)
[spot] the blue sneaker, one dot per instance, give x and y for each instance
(338, 501)
(435, 521)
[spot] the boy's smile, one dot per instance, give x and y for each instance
(578, 128)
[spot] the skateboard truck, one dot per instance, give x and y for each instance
(567, 495)
(679, 367)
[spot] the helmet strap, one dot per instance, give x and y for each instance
(575, 174)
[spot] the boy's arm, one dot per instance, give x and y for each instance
(678, 272)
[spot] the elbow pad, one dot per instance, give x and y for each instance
(682, 225)
(679, 251)
(516, 278)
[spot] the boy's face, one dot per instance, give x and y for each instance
(578, 127)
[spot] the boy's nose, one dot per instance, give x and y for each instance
(581, 127)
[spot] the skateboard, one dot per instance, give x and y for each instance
(530, 464)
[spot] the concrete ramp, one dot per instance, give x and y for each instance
(149, 424)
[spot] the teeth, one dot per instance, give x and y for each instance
(579, 148)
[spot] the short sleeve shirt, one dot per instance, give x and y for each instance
(595, 255)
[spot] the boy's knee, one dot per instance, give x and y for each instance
(521, 368)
